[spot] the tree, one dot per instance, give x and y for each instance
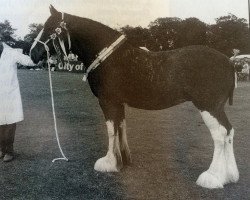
(34, 31)
(228, 33)
(7, 32)
(139, 37)
(166, 32)
(193, 32)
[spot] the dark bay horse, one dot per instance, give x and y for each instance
(151, 80)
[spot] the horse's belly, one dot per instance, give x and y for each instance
(158, 106)
(156, 101)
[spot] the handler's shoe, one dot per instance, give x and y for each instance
(8, 157)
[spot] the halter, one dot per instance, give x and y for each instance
(52, 37)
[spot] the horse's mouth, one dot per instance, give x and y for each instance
(37, 59)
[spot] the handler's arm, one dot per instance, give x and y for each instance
(24, 59)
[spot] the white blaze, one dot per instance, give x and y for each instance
(36, 40)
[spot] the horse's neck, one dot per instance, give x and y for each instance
(89, 38)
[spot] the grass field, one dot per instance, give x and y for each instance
(170, 148)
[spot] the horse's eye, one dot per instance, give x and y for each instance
(63, 24)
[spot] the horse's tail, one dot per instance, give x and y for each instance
(230, 98)
(231, 92)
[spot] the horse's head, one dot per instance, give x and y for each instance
(51, 38)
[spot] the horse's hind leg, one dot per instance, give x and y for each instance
(125, 152)
(232, 169)
(223, 168)
(118, 151)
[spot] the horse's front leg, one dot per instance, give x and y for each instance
(114, 115)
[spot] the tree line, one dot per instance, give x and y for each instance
(8, 33)
(227, 33)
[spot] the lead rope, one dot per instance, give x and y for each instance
(53, 36)
(53, 106)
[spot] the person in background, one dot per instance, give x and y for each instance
(246, 69)
(71, 56)
(11, 110)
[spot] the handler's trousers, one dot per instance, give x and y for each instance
(7, 135)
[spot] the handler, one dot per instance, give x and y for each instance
(11, 110)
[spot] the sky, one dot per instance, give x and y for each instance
(118, 13)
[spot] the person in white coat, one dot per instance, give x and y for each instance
(11, 110)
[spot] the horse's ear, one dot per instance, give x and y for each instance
(53, 11)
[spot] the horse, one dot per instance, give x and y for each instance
(130, 76)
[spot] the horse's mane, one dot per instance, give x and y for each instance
(82, 22)
(102, 27)
(89, 37)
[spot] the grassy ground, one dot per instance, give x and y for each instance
(170, 148)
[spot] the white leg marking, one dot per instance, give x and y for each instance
(232, 170)
(216, 175)
(112, 161)
(124, 143)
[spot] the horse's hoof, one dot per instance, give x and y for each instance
(208, 180)
(106, 164)
(233, 174)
